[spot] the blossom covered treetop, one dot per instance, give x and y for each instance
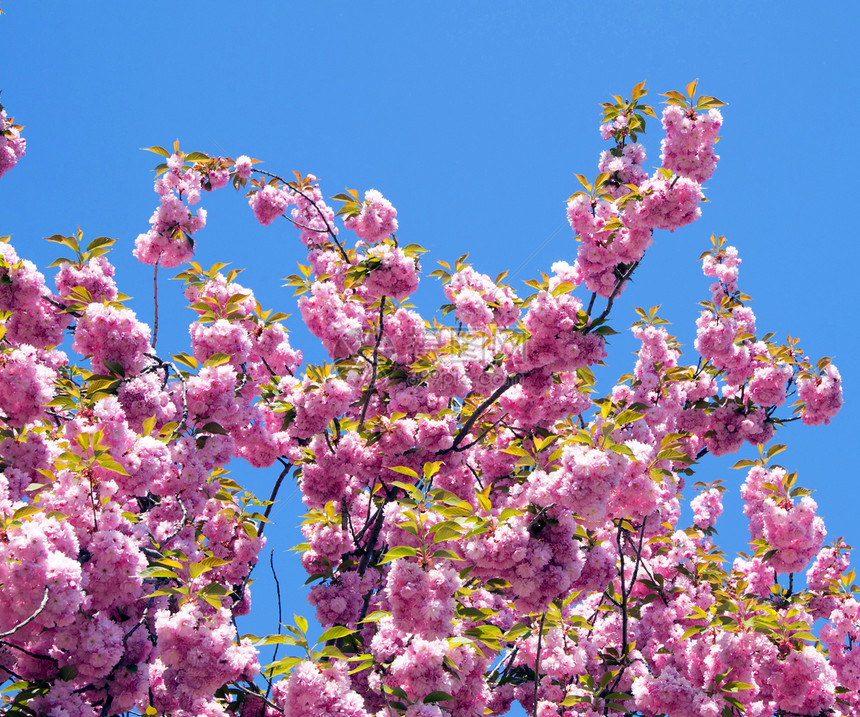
(481, 527)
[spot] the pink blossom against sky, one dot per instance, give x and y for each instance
(471, 119)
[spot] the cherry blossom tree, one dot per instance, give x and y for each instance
(482, 526)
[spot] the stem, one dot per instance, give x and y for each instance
(280, 618)
(298, 191)
(374, 363)
(272, 498)
(591, 302)
(246, 691)
(537, 663)
(29, 619)
(620, 542)
(371, 541)
(108, 703)
(476, 414)
(178, 527)
(483, 435)
(623, 280)
(155, 300)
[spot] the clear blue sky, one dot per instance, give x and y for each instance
(472, 118)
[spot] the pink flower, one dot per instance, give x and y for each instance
(377, 219)
(822, 396)
(269, 203)
(244, 166)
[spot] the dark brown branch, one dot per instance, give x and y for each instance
(261, 526)
(619, 284)
(155, 301)
(280, 618)
(537, 663)
(484, 434)
(374, 364)
(322, 216)
(478, 412)
(591, 303)
(371, 540)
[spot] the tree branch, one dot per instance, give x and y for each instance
(298, 191)
(476, 414)
(374, 364)
(29, 619)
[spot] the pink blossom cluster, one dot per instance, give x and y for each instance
(169, 242)
(481, 529)
(422, 600)
(312, 216)
(688, 148)
(333, 318)
(26, 385)
(707, 507)
(556, 340)
(109, 334)
(392, 272)
(478, 301)
(269, 203)
(311, 690)
(666, 203)
(197, 654)
(602, 249)
(12, 144)
(624, 166)
(33, 319)
(96, 276)
(822, 396)
(792, 529)
(377, 219)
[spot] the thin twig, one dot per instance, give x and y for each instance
(374, 363)
(476, 414)
(371, 541)
(620, 283)
(591, 303)
(322, 216)
(483, 435)
(246, 691)
(280, 617)
(29, 619)
(262, 524)
(179, 527)
(155, 300)
(537, 663)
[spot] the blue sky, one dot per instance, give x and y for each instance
(472, 118)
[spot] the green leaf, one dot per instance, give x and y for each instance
(114, 367)
(158, 572)
(563, 288)
(215, 589)
(157, 150)
(445, 555)
(25, 512)
(401, 551)
(148, 425)
(213, 427)
(628, 416)
(376, 616)
(333, 633)
(106, 461)
(447, 533)
(217, 360)
(517, 631)
(404, 470)
(436, 696)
